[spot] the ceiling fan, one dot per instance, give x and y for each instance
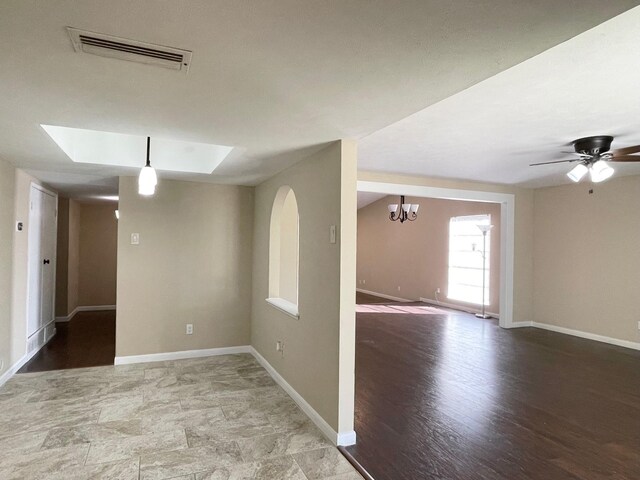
(593, 156)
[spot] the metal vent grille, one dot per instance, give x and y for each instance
(130, 50)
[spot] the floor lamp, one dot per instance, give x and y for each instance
(484, 229)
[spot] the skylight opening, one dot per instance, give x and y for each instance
(121, 150)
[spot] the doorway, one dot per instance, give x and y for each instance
(85, 294)
(41, 268)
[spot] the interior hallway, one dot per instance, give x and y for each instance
(88, 340)
(448, 395)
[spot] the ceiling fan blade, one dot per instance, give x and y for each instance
(625, 158)
(576, 153)
(555, 161)
(626, 150)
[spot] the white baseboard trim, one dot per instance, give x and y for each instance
(384, 295)
(521, 324)
(161, 357)
(6, 376)
(346, 438)
(587, 335)
(456, 307)
(84, 308)
(340, 439)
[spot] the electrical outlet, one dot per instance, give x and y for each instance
(398, 287)
(135, 239)
(364, 282)
(638, 325)
(189, 328)
(438, 290)
(278, 346)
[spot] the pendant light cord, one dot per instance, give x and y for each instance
(148, 147)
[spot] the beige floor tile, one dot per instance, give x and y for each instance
(103, 451)
(322, 463)
(281, 468)
(170, 464)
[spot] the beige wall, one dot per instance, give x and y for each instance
(193, 265)
(98, 255)
(7, 187)
(587, 260)
(313, 344)
(523, 241)
(73, 269)
(414, 255)
(62, 258)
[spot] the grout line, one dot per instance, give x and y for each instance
(87, 455)
(303, 472)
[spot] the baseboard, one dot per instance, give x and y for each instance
(342, 438)
(6, 376)
(384, 295)
(587, 335)
(521, 324)
(84, 308)
(161, 357)
(454, 306)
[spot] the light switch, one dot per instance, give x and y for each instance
(135, 239)
(332, 234)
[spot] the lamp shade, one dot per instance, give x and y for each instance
(393, 207)
(600, 171)
(578, 172)
(147, 181)
(484, 228)
(414, 208)
(406, 207)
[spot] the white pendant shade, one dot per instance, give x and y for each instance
(578, 172)
(600, 171)
(393, 207)
(406, 207)
(414, 208)
(147, 181)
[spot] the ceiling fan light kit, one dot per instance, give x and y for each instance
(594, 157)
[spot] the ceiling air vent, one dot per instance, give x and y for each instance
(131, 50)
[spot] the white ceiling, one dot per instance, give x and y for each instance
(367, 198)
(277, 79)
(493, 130)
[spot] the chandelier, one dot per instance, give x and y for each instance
(408, 211)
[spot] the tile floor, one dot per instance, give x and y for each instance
(216, 418)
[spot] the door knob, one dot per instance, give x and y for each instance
(46, 261)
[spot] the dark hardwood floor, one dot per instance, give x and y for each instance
(451, 396)
(88, 340)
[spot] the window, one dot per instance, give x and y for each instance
(465, 259)
(284, 252)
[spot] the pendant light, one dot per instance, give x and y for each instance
(409, 211)
(148, 179)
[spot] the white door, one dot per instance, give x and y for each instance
(49, 234)
(41, 259)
